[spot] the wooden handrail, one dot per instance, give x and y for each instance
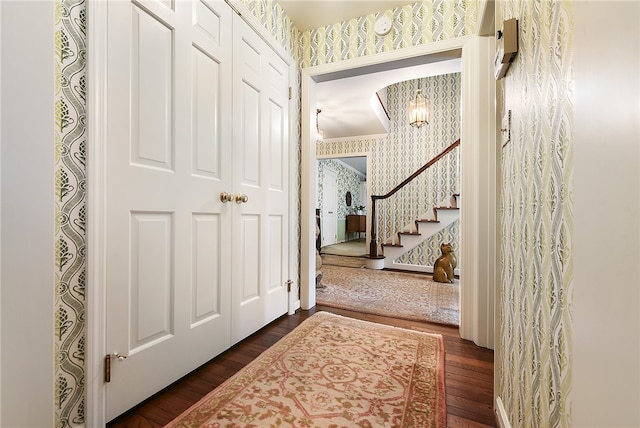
(373, 245)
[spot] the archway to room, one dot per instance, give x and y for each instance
(351, 196)
(396, 151)
(478, 230)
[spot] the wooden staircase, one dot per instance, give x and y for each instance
(384, 252)
(421, 230)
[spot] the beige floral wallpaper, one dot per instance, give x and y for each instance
(537, 219)
(415, 24)
(70, 204)
(277, 22)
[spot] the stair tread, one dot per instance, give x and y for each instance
(392, 245)
(425, 220)
(446, 208)
(410, 233)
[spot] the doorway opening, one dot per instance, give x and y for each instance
(348, 202)
(478, 154)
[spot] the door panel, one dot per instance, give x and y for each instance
(261, 149)
(151, 97)
(151, 279)
(247, 274)
(206, 288)
(205, 98)
(249, 135)
(168, 265)
(329, 207)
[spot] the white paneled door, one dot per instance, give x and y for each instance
(188, 273)
(260, 238)
(329, 227)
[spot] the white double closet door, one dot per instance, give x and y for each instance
(197, 106)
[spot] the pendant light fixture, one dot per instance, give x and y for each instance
(418, 111)
(319, 133)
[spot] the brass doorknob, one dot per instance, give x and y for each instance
(241, 199)
(226, 197)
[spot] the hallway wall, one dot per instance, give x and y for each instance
(605, 294)
(537, 219)
(27, 214)
(569, 297)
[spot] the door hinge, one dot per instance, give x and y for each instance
(107, 365)
(290, 92)
(289, 282)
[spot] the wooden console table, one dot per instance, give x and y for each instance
(356, 224)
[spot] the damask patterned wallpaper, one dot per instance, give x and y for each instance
(405, 149)
(277, 23)
(70, 202)
(537, 219)
(415, 24)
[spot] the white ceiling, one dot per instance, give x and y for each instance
(346, 102)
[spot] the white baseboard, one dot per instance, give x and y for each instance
(419, 268)
(501, 414)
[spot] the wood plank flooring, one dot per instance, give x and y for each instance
(468, 374)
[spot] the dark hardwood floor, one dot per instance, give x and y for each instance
(468, 374)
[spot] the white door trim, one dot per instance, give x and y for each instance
(96, 211)
(96, 192)
(479, 221)
(477, 287)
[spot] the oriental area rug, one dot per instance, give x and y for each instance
(389, 293)
(333, 371)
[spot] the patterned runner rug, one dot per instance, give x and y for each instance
(394, 294)
(333, 371)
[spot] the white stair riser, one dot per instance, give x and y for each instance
(426, 230)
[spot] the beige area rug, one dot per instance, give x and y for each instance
(389, 293)
(356, 248)
(333, 371)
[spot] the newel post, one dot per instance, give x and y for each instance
(373, 244)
